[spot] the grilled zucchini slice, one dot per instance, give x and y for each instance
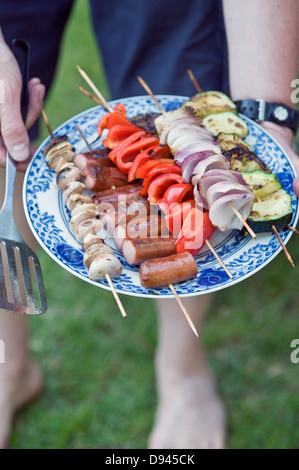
(230, 141)
(228, 123)
(241, 159)
(209, 102)
(274, 209)
(261, 183)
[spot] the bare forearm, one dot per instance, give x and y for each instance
(263, 43)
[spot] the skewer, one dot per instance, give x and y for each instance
(293, 229)
(149, 91)
(84, 138)
(250, 231)
(90, 95)
(105, 104)
(219, 259)
(47, 123)
(120, 305)
(194, 81)
(121, 308)
(283, 245)
(183, 310)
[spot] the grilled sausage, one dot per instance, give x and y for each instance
(137, 251)
(142, 227)
(161, 272)
(99, 178)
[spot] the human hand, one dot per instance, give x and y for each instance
(284, 137)
(13, 131)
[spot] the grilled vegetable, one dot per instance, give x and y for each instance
(226, 122)
(276, 208)
(230, 141)
(261, 183)
(241, 159)
(208, 102)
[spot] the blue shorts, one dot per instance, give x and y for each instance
(156, 39)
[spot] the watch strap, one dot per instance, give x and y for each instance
(261, 110)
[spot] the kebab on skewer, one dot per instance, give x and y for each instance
(85, 224)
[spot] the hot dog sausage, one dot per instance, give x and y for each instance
(138, 250)
(161, 272)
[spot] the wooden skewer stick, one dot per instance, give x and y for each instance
(123, 312)
(293, 229)
(149, 91)
(84, 138)
(105, 104)
(219, 259)
(283, 245)
(47, 123)
(250, 231)
(194, 81)
(90, 95)
(120, 305)
(183, 309)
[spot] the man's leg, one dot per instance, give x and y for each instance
(42, 24)
(189, 413)
(20, 380)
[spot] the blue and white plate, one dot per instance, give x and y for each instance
(48, 216)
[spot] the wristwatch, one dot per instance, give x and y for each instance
(261, 110)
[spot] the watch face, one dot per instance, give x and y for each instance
(281, 113)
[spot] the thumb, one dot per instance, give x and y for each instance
(13, 131)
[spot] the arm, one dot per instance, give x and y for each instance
(263, 44)
(13, 133)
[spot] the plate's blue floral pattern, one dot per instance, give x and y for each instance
(48, 216)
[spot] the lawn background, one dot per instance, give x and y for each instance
(99, 377)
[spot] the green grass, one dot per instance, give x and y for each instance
(99, 377)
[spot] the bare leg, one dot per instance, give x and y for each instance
(190, 414)
(20, 380)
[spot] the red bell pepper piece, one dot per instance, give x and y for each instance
(111, 119)
(155, 172)
(175, 215)
(126, 155)
(178, 193)
(151, 153)
(118, 133)
(158, 187)
(197, 228)
(128, 141)
(144, 169)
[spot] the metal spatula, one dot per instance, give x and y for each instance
(21, 282)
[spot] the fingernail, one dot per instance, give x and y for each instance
(20, 152)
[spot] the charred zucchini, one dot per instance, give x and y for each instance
(209, 102)
(261, 183)
(227, 122)
(230, 141)
(274, 209)
(241, 159)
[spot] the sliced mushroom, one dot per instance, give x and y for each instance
(67, 175)
(59, 164)
(90, 240)
(94, 251)
(83, 208)
(73, 187)
(92, 226)
(78, 218)
(102, 265)
(76, 199)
